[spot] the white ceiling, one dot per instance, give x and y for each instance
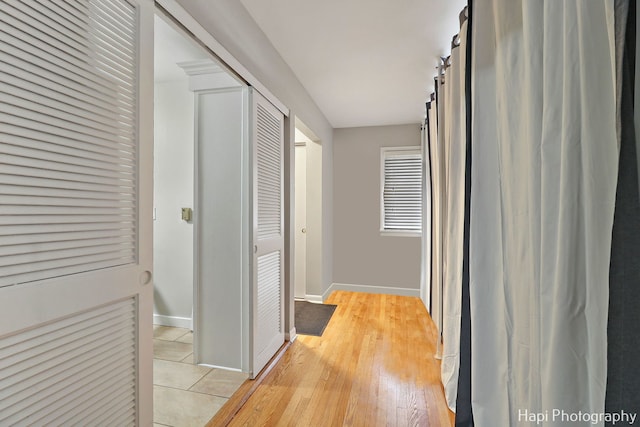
(364, 62)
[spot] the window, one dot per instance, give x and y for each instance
(401, 191)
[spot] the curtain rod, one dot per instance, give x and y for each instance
(455, 41)
(464, 15)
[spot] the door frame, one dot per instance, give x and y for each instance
(174, 11)
(298, 263)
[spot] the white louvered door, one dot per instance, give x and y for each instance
(76, 129)
(267, 125)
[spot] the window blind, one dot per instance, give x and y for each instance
(402, 190)
(67, 137)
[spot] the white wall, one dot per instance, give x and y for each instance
(173, 189)
(232, 26)
(361, 255)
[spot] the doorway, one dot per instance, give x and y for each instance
(300, 220)
(173, 178)
(198, 363)
(308, 215)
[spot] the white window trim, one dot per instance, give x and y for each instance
(384, 152)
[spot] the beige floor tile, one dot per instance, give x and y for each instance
(168, 333)
(188, 359)
(183, 408)
(187, 338)
(171, 350)
(176, 374)
(219, 382)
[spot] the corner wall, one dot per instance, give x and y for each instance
(362, 256)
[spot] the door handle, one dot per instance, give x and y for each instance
(145, 277)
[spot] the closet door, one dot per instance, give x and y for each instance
(76, 111)
(267, 137)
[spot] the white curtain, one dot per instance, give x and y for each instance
(544, 176)
(455, 147)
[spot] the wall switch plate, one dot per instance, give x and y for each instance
(187, 213)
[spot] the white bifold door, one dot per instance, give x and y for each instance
(76, 112)
(267, 142)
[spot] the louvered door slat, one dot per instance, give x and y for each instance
(63, 159)
(56, 210)
(15, 35)
(49, 246)
(26, 171)
(42, 32)
(17, 107)
(67, 148)
(99, 353)
(54, 136)
(13, 65)
(78, 168)
(25, 122)
(269, 163)
(39, 366)
(66, 219)
(62, 184)
(269, 318)
(97, 118)
(64, 193)
(82, 234)
(268, 275)
(74, 40)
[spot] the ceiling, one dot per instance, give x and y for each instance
(364, 62)
(171, 48)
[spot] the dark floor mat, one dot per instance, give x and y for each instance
(311, 319)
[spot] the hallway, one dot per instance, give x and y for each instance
(374, 365)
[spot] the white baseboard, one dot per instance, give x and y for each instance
(370, 289)
(224, 368)
(174, 321)
(291, 335)
(318, 299)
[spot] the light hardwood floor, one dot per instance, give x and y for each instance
(373, 366)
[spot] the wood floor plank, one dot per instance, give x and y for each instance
(373, 366)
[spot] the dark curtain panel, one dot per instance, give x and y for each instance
(434, 282)
(623, 331)
(427, 157)
(464, 411)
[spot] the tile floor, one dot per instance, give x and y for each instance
(184, 394)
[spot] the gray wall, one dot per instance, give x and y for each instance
(361, 255)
